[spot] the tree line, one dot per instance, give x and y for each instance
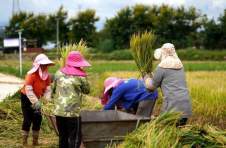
(180, 26)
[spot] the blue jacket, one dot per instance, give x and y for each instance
(129, 93)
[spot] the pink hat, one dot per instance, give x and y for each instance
(74, 71)
(75, 59)
(112, 82)
(40, 59)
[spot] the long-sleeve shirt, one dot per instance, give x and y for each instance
(68, 90)
(129, 93)
(175, 90)
(105, 97)
(34, 87)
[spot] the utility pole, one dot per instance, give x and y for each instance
(57, 19)
(20, 32)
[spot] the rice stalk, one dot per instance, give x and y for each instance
(141, 48)
(65, 50)
(162, 132)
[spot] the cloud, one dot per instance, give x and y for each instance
(219, 4)
(106, 8)
(40, 3)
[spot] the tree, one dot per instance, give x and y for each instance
(62, 15)
(185, 26)
(41, 26)
(163, 24)
(16, 22)
(222, 19)
(142, 18)
(177, 26)
(35, 27)
(211, 35)
(83, 27)
(120, 28)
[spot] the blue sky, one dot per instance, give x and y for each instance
(105, 8)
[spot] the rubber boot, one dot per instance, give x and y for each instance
(35, 135)
(24, 138)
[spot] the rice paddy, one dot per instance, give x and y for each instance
(207, 92)
(206, 82)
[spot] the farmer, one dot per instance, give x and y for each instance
(170, 77)
(131, 94)
(68, 86)
(105, 97)
(37, 85)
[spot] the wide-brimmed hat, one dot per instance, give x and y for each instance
(75, 59)
(168, 56)
(41, 59)
(111, 82)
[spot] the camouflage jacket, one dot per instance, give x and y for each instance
(68, 91)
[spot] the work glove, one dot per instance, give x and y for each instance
(37, 105)
(147, 80)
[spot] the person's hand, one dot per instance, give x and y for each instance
(150, 91)
(143, 75)
(37, 105)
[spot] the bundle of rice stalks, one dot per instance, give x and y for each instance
(81, 47)
(143, 54)
(11, 120)
(141, 48)
(10, 116)
(154, 134)
(162, 132)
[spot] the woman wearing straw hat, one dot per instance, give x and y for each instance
(68, 86)
(37, 84)
(170, 76)
(130, 94)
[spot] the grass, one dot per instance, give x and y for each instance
(11, 122)
(162, 132)
(12, 66)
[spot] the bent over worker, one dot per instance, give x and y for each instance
(131, 94)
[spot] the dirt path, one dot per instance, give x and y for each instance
(9, 84)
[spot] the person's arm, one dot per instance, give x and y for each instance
(54, 84)
(85, 86)
(29, 80)
(47, 93)
(157, 78)
(104, 98)
(115, 97)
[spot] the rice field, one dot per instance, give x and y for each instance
(207, 92)
(206, 82)
(12, 67)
